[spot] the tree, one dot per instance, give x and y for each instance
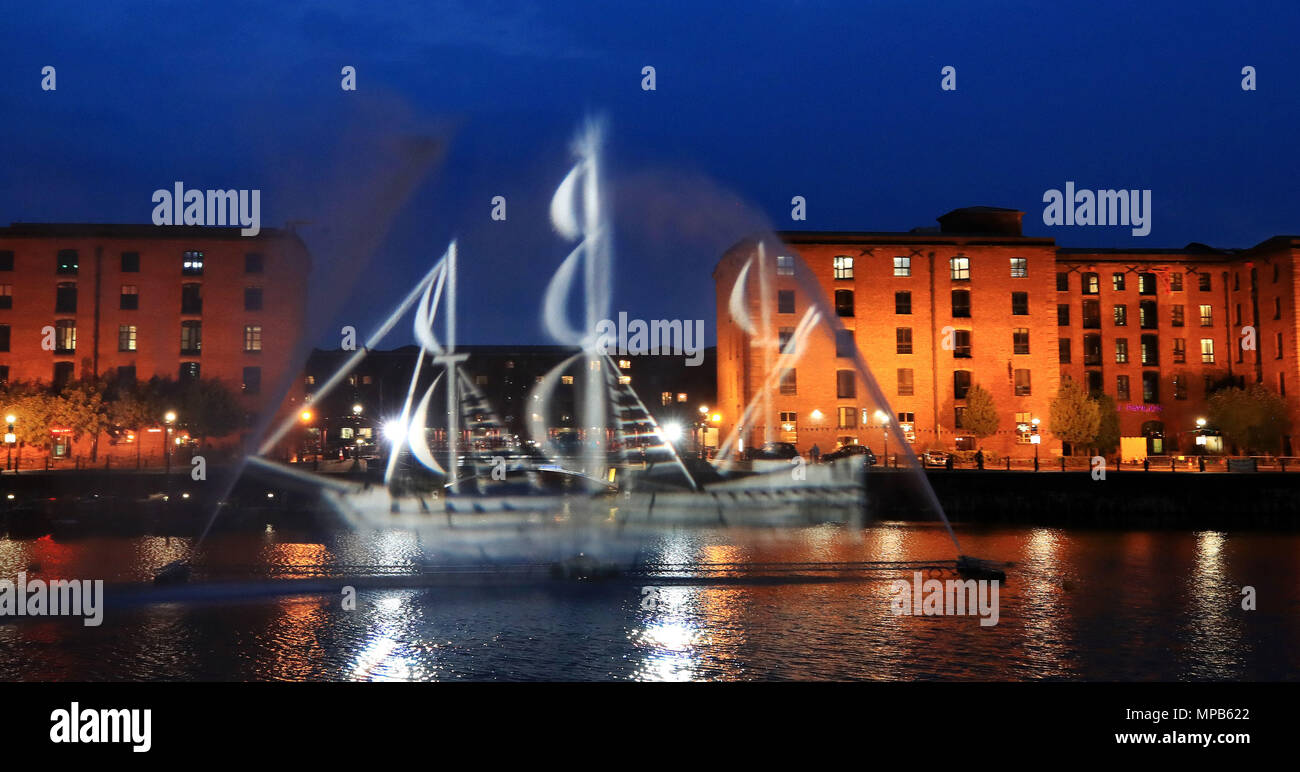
(80, 408)
(209, 409)
(31, 406)
(1107, 439)
(1074, 418)
(980, 418)
(136, 407)
(1254, 418)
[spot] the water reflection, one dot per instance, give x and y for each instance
(711, 606)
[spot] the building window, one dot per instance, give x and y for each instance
(1092, 349)
(1122, 388)
(65, 298)
(961, 304)
(783, 338)
(189, 371)
(6, 296)
(844, 302)
(1238, 313)
(789, 384)
(1019, 267)
(1062, 281)
(252, 298)
(905, 383)
(958, 413)
(1063, 351)
(1203, 281)
(252, 263)
(959, 268)
(1121, 315)
(1121, 351)
(1180, 351)
(1236, 282)
(789, 426)
(1019, 303)
(1062, 314)
(1092, 380)
(191, 338)
(902, 266)
(192, 264)
(1207, 315)
(67, 261)
(63, 374)
(1176, 316)
(846, 386)
(1020, 340)
(65, 336)
(252, 337)
(785, 301)
(1024, 427)
(130, 262)
(666, 398)
(843, 266)
(961, 348)
(1147, 316)
(1279, 346)
(844, 343)
(1150, 387)
(1091, 284)
(1176, 282)
(252, 380)
(191, 299)
(6, 259)
(1146, 284)
(1150, 350)
(1117, 282)
(126, 374)
(129, 300)
(126, 337)
(785, 265)
(1207, 351)
(4, 337)
(1277, 308)
(960, 383)
(1091, 315)
(567, 380)
(903, 340)
(902, 302)
(1180, 386)
(1022, 383)
(848, 417)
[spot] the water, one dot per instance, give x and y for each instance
(1079, 605)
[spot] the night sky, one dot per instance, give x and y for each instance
(458, 102)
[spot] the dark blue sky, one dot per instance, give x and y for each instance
(756, 103)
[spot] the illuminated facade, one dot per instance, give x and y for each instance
(1154, 329)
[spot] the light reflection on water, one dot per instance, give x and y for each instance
(1079, 605)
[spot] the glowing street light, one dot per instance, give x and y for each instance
(10, 438)
(169, 418)
(356, 409)
(306, 416)
(1200, 423)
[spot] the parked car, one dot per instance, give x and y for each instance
(935, 458)
(846, 451)
(773, 450)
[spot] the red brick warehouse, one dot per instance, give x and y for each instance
(138, 301)
(1155, 329)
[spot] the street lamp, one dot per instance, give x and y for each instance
(1035, 439)
(169, 419)
(10, 439)
(884, 424)
(356, 409)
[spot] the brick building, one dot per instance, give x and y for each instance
(975, 301)
(136, 301)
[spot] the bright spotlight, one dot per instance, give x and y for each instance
(394, 430)
(671, 432)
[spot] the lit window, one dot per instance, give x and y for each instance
(681, 396)
(959, 268)
(785, 265)
(1207, 314)
(567, 380)
(1019, 267)
(623, 364)
(1207, 351)
(126, 337)
(843, 267)
(192, 264)
(902, 266)
(252, 337)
